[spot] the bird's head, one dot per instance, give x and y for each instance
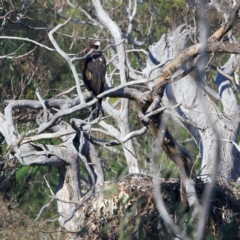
(93, 44)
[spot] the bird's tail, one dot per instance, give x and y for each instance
(96, 108)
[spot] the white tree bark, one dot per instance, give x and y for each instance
(194, 108)
(198, 113)
(64, 156)
(122, 117)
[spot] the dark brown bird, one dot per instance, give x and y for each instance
(93, 69)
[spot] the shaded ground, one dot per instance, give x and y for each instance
(15, 225)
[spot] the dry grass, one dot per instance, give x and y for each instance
(15, 225)
(126, 209)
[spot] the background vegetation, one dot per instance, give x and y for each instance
(23, 189)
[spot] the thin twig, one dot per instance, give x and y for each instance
(41, 210)
(69, 61)
(43, 105)
(28, 40)
(64, 92)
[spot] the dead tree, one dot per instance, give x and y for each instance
(175, 77)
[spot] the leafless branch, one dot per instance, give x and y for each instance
(135, 134)
(47, 136)
(42, 208)
(65, 112)
(171, 227)
(91, 51)
(162, 109)
(64, 92)
(10, 55)
(127, 51)
(28, 40)
(93, 21)
(46, 205)
(65, 201)
(131, 15)
(69, 61)
(43, 105)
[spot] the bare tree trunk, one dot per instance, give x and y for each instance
(95, 162)
(68, 190)
(64, 156)
(123, 118)
(197, 112)
(200, 120)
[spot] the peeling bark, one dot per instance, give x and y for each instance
(198, 112)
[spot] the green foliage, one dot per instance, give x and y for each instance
(31, 190)
(49, 72)
(58, 76)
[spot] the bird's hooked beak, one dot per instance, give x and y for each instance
(97, 43)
